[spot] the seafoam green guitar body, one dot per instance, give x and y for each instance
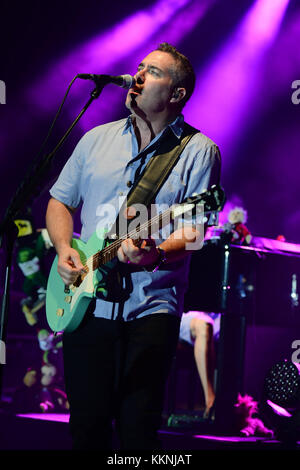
(65, 310)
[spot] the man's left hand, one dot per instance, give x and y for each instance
(139, 252)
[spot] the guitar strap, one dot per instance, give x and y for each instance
(157, 170)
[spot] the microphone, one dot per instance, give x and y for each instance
(124, 81)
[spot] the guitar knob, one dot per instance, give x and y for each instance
(68, 299)
(60, 312)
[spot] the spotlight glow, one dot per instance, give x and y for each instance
(100, 54)
(225, 96)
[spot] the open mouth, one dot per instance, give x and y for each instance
(135, 91)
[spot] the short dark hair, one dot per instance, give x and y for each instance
(184, 75)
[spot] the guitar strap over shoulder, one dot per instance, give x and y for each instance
(158, 169)
(143, 192)
(159, 166)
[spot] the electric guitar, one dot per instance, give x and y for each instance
(67, 305)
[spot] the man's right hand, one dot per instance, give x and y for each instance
(69, 265)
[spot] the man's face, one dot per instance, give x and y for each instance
(154, 85)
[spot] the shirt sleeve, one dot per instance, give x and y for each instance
(205, 172)
(66, 189)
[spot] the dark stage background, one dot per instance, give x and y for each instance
(247, 61)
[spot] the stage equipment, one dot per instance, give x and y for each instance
(251, 286)
(282, 400)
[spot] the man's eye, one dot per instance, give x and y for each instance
(153, 71)
(149, 70)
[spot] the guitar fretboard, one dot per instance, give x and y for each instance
(138, 233)
(212, 199)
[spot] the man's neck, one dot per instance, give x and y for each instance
(146, 130)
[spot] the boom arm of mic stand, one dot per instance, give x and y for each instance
(8, 229)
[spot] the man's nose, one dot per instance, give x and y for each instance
(140, 76)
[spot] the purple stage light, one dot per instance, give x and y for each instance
(227, 438)
(102, 53)
(226, 95)
(173, 31)
(58, 417)
(279, 410)
(116, 51)
(283, 61)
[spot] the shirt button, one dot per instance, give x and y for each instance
(129, 184)
(121, 193)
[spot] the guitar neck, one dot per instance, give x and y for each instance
(212, 199)
(141, 232)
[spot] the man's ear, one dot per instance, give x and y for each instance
(178, 95)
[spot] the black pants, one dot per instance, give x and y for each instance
(117, 371)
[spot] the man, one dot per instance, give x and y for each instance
(117, 361)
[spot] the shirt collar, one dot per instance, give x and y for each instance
(176, 125)
(127, 124)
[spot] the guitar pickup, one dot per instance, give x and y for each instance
(60, 312)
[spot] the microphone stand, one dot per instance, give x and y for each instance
(8, 229)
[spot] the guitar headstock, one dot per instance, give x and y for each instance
(213, 199)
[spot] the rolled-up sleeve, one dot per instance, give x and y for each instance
(206, 170)
(67, 188)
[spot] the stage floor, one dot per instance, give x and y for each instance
(49, 431)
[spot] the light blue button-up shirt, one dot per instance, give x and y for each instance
(97, 175)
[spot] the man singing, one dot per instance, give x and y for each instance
(117, 361)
